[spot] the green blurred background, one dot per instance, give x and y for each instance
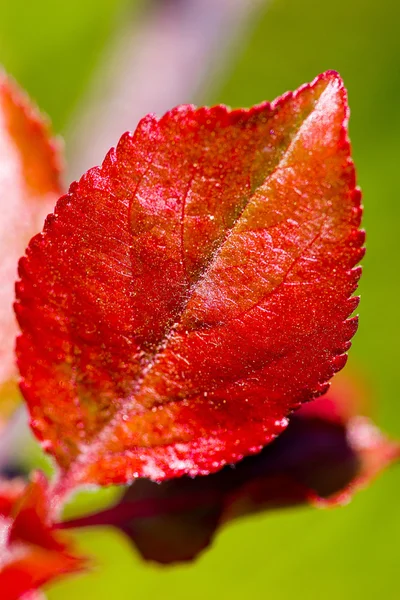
(350, 552)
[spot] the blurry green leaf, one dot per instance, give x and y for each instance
(51, 48)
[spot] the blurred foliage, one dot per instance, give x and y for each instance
(51, 48)
(351, 552)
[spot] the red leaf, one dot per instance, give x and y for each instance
(29, 187)
(323, 457)
(32, 553)
(191, 292)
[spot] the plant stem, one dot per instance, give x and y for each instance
(145, 508)
(168, 55)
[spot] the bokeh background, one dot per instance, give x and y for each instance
(55, 50)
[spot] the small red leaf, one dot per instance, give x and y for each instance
(29, 187)
(191, 292)
(32, 553)
(323, 457)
